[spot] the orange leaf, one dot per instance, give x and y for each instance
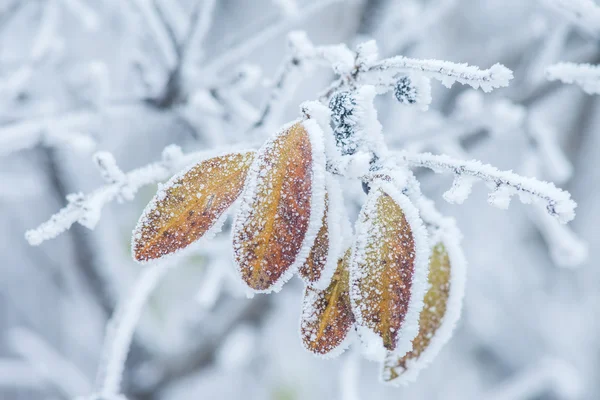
(388, 270)
(281, 208)
(327, 315)
(189, 205)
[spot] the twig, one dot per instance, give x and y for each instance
(504, 183)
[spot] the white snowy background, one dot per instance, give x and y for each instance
(80, 76)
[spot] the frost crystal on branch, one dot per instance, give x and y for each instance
(86, 209)
(384, 73)
(585, 75)
(558, 202)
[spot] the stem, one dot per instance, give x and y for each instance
(121, 327)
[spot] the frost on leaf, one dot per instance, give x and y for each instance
(282, 207)
(189, 205)
(312, 269)
(327, 314)
(440, 313)
(321, 262)
(388, 270)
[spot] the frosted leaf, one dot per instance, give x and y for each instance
(189, 204)
(327, 316)
(282, 207)
(441, 311)
(460, 190)
(388, 271)
(322, 259)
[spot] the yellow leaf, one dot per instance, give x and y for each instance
(327, 314)
(437, 319)
(189, 205)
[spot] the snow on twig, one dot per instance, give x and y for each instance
(121, 328)
(86, 209)
(554, 375)
(175, 15)
(49, 131)
(251, 44)
(48, 363)
(385, 73)
(15, 373)
(584, 13)
(504, 183)
(199, 29)
(86, 14)
(289, 8)
(585, 75)
(159, 30)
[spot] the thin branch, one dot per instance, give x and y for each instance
(446, 72)
(165, 40)
(250, 45)
(504, 183)
(86, 209)
(585, 75)
(584, 13)
(121, 328)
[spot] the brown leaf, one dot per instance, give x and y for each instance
(312, 269)
(275, 214)
(327, 314)
(384, 268)
(189, 205)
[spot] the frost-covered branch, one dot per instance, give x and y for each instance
(385, 73)
(49, 364)
(551, 375)
(86, 209)
(120, 331)
(252, 43)
(164, 38)
(504, 184)
(584, 13)
(585, 75)
(62, 131)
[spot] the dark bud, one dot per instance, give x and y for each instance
(405, 92)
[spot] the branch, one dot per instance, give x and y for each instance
(50, 131)
(554, 376)
(585, 75)
(121, 328)
(250, 45)
(86, 209)
(164, 40)
(199, 28)
(584, 13)
(385, 73)
(48, 363)
(504, 184)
